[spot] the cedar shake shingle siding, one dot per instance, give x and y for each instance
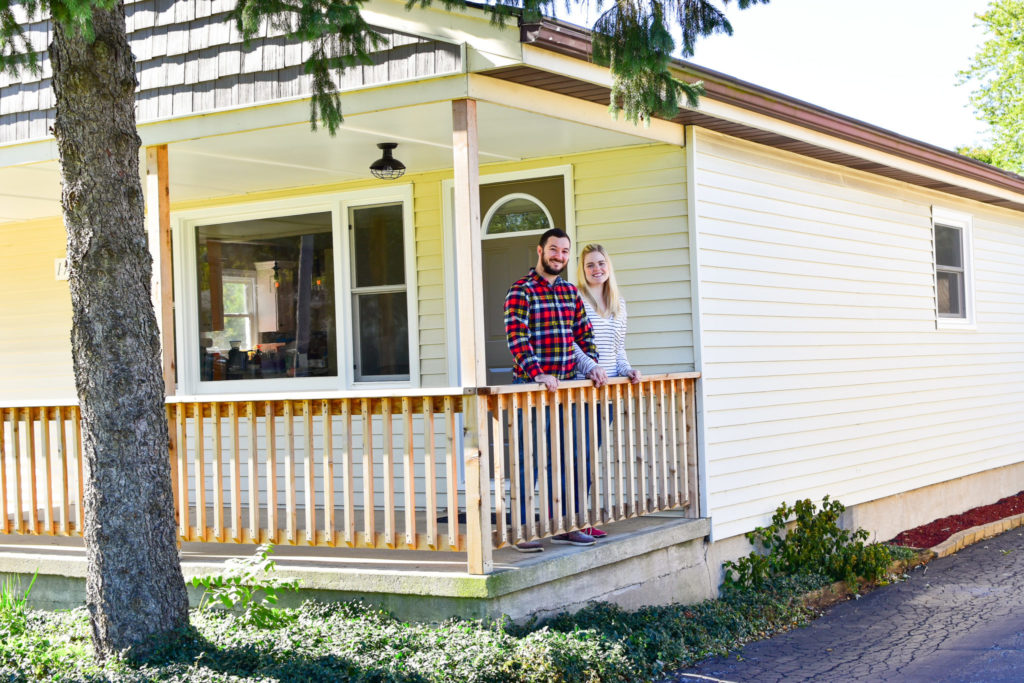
(190, 59)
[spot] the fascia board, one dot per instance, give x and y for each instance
(728, 112)
(516, 96)
(247, 118)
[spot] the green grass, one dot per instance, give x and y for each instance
(354, 642)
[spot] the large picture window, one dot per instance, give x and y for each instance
(266, 298)
(277, 297)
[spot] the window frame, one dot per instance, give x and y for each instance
(184, 226)
(942, 217)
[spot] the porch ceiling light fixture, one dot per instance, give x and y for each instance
(387, 167)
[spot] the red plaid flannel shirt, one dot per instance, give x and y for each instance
(541, 323)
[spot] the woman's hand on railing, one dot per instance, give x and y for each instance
(598, 376)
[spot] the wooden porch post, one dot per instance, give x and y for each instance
(158, 225)
(469, 289)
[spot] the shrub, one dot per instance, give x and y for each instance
(248, 586)
(813, 544)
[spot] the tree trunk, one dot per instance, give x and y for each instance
(134, 588)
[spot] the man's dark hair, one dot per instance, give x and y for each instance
(557, 233)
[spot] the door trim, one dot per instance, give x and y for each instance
(448, 250)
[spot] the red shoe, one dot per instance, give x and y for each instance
(596, 533)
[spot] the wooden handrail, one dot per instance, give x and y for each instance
(383, 470)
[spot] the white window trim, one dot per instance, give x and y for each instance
(965, 222)
(484, 235)
(184, 225)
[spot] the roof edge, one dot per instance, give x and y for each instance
(575, 41)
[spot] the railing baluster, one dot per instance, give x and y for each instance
(5, 526)
(451, 472)
(568, 435)
(309, 473)
(689, 430)
(270, 411)
(388, 461)
(12, 416)
(409, 479)
(30, 449)
(544, 457)
(496, 405)
(652, 449)
(673, 444)
(665, 495)
(348, 471)
(236, 474)
(608, 508)
(629, 434)
(516, 463)
(77, 431)
(430, 472)
(253, 473)
(44, 434)
(581, 456)
(218, 474)
(185, 521)
(369, 495)
(289, 473)
(327, 419)
(200, 455)
(591, 407)
(62, 455)
(172, 458)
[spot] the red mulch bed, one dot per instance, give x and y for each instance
(933, 533)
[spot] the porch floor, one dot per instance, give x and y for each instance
(420, 585)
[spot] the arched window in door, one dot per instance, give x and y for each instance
(517, 213)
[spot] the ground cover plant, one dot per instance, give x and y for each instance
(238, 635)
(355, 642)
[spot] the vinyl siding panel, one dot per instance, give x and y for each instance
(35, 314)
(633, 202)
(823, 370)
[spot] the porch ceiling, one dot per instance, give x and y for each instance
(290, 156)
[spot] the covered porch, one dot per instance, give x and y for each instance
(399, 434)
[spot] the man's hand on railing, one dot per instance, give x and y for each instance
(549, 381)
(598, 375)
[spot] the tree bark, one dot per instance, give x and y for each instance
(134, 588)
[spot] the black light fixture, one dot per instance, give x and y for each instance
(387, 167)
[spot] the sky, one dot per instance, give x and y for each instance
(891, 63)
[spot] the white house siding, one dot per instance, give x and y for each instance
(633, 202)
(823, 370)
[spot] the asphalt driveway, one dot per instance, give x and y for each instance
(958, 619)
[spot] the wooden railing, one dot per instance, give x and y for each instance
(385, 471)
(599, 455)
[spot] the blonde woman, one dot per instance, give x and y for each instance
(606, 310)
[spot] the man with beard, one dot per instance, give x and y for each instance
(544, 317)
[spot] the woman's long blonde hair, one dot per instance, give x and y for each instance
(609, 307)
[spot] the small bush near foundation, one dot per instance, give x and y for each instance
(814, 544)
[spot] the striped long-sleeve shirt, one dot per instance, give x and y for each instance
(543, 324)
(610, 338)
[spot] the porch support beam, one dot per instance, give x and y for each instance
(158, 227)
(469, 291)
